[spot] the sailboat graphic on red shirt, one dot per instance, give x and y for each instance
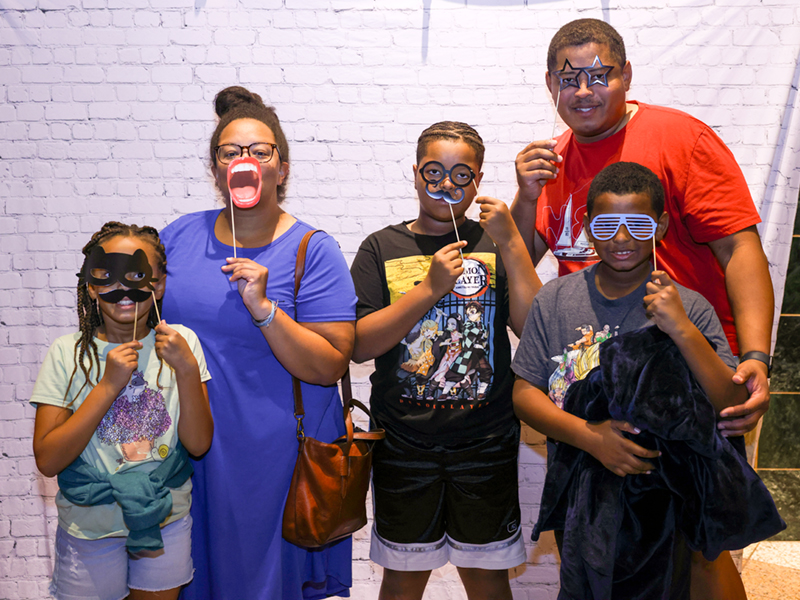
(581, 249)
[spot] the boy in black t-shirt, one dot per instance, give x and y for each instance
(445, 478)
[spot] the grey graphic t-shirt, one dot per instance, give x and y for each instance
(570, 318)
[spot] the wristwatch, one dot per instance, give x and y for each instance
(760, 356)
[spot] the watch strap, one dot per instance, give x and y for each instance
(759, 356)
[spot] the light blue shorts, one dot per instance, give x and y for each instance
(104, 570)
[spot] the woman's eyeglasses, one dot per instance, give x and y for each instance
(261, 151)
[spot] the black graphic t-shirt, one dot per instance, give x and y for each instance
(449, 379)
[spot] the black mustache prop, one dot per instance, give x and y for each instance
(115, 296)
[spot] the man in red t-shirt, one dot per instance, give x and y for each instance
(711, 246)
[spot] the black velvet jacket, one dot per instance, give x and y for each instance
(623, 535)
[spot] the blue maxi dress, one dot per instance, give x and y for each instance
(240, 485)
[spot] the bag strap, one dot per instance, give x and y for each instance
(299, 271)
(348, 402)
(347, 392)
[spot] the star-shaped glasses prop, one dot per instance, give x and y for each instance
(596, 73)
(434, 174)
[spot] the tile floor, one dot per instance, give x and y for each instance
(771, 571)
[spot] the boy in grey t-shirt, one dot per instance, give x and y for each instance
(572, 315)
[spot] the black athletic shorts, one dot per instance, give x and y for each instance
(440, 503)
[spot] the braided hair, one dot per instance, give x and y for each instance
(89, 317)
(236, 102)
(451, 130)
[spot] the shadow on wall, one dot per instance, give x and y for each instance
(426, 13)
(781, 163)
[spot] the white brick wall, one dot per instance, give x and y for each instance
(105, 112)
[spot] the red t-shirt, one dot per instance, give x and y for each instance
(706, 198)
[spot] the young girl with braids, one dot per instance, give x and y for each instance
(120, 403)
(445, 477)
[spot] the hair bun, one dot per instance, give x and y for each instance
(234, 96)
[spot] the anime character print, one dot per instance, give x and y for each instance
(448, 355)
(419, 343)
(136, 419)
(577, 359)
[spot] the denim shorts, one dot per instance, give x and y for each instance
(104, 570)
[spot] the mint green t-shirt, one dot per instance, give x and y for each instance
(137, 433)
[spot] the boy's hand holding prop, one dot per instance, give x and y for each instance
(445, 268)
(244, 185)
(460, 176)
(496, 219)
(663, 304)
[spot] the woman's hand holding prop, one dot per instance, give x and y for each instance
(251, 279)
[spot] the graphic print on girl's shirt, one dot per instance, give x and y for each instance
(136, 419)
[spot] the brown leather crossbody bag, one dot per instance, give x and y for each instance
(328, 493)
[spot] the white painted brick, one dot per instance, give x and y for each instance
(64, 111)
(171, 75)
(127, 74)
(41, 56)
(60, 93)
(755, 37)
(230, 37)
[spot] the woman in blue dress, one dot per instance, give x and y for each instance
(255, 337)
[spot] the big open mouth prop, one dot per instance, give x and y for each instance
(244, 181)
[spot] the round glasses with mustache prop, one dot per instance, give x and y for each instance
(433, 174)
